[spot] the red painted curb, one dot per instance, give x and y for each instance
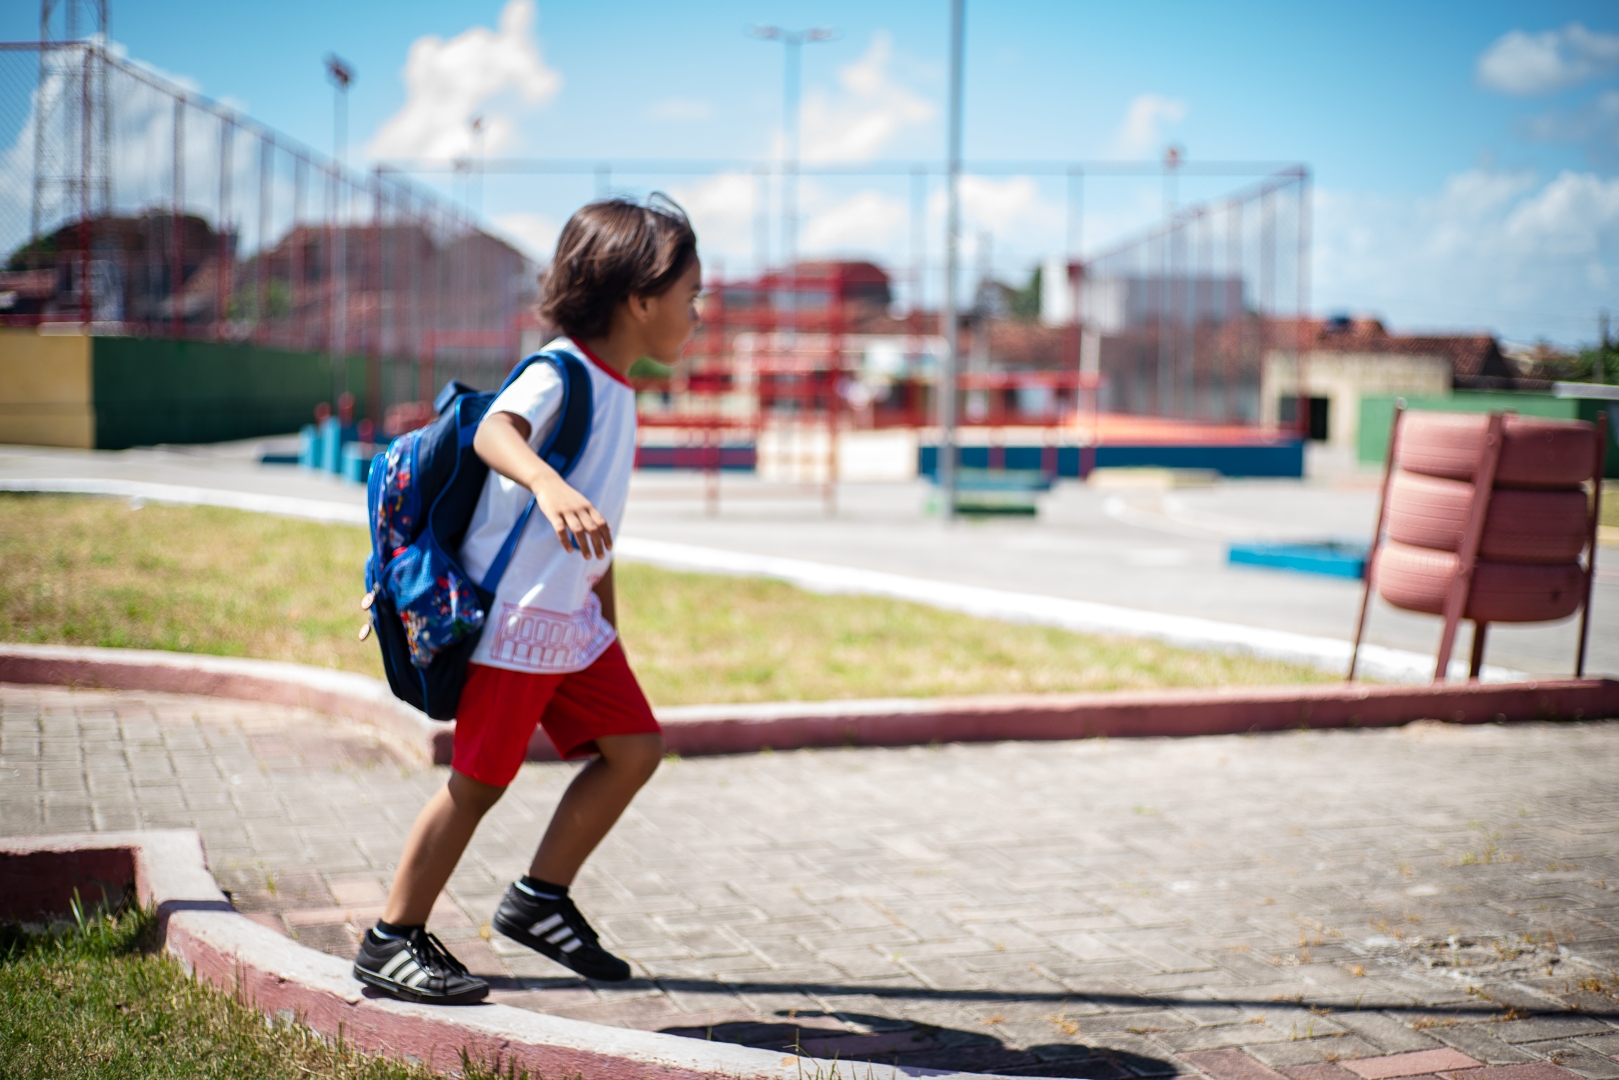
(699, 730)
(277, 976)
(907, 722)
(336, 693)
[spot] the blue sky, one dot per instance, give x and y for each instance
(1464, 155)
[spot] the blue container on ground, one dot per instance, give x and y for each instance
(356, 462)
(1346, 559)
(331, 445)
(309, 447)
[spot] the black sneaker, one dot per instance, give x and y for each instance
(416, 968)
(554, 928)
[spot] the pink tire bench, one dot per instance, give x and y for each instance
(1486, 517)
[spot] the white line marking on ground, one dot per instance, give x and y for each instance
(1083, 616)
(186, 495)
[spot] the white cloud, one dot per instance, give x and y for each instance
(866, 223)
(1141, 132)
(1509, 252)
(1006, 207)
(477, 72)
(870, 109)
(680, 109)
(1524, 63)
(534, 234)
(722, 210)
(1597, 120)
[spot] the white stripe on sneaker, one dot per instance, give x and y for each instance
(572, 945)
(416, 978)
(397, 961)
(561, 935)
(541, 927)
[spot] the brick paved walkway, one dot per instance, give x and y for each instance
(1434, 901)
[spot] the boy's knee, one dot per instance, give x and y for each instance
(633, 753)
(473, 796)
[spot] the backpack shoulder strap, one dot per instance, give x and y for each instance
(566, 442)
(561, 449)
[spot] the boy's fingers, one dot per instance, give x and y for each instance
(581, 534)
(593, 541)
(561, 527)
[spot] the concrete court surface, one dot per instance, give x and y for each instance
(1156, 550)
(1432, 901)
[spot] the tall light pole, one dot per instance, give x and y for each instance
(341, 73)
(794, 41)
(952, 236)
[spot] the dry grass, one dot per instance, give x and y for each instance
(695, 637)
(89, 571)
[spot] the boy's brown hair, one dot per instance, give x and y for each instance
(609, 251)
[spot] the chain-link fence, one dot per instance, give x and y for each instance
(148, 210)
(141, 208)
(1193, 319)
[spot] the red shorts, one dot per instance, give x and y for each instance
(500, 709)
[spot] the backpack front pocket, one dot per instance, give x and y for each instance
(437, 604)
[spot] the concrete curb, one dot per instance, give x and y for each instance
(698, 730)
(276, 976)
(337, 693)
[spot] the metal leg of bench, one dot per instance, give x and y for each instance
(1477, 664)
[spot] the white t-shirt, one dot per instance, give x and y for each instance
(545, 618)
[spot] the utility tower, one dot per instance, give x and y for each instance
(72, 124)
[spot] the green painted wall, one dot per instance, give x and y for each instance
(147, 391)
(1377, 413)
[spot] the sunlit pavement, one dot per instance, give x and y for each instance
(1328, 905)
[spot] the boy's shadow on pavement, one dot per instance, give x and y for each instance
(883, 1040)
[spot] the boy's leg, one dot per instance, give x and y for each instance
(593, 803)
(436, 842)
(603, 709)
(398, 956)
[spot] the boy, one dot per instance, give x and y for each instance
(623, 285)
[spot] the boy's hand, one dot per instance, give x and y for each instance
(502, 443)
(578, 525)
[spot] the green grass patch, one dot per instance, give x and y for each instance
(89, 571)
(96, 1001)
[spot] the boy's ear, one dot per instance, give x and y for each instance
(640, 307)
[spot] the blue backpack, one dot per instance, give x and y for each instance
(427, 612)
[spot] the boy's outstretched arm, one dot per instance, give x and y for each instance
(502, 443)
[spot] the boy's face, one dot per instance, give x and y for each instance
(672, 316)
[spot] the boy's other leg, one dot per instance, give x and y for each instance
(436, 842)
(537, 911)
(593, 803)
